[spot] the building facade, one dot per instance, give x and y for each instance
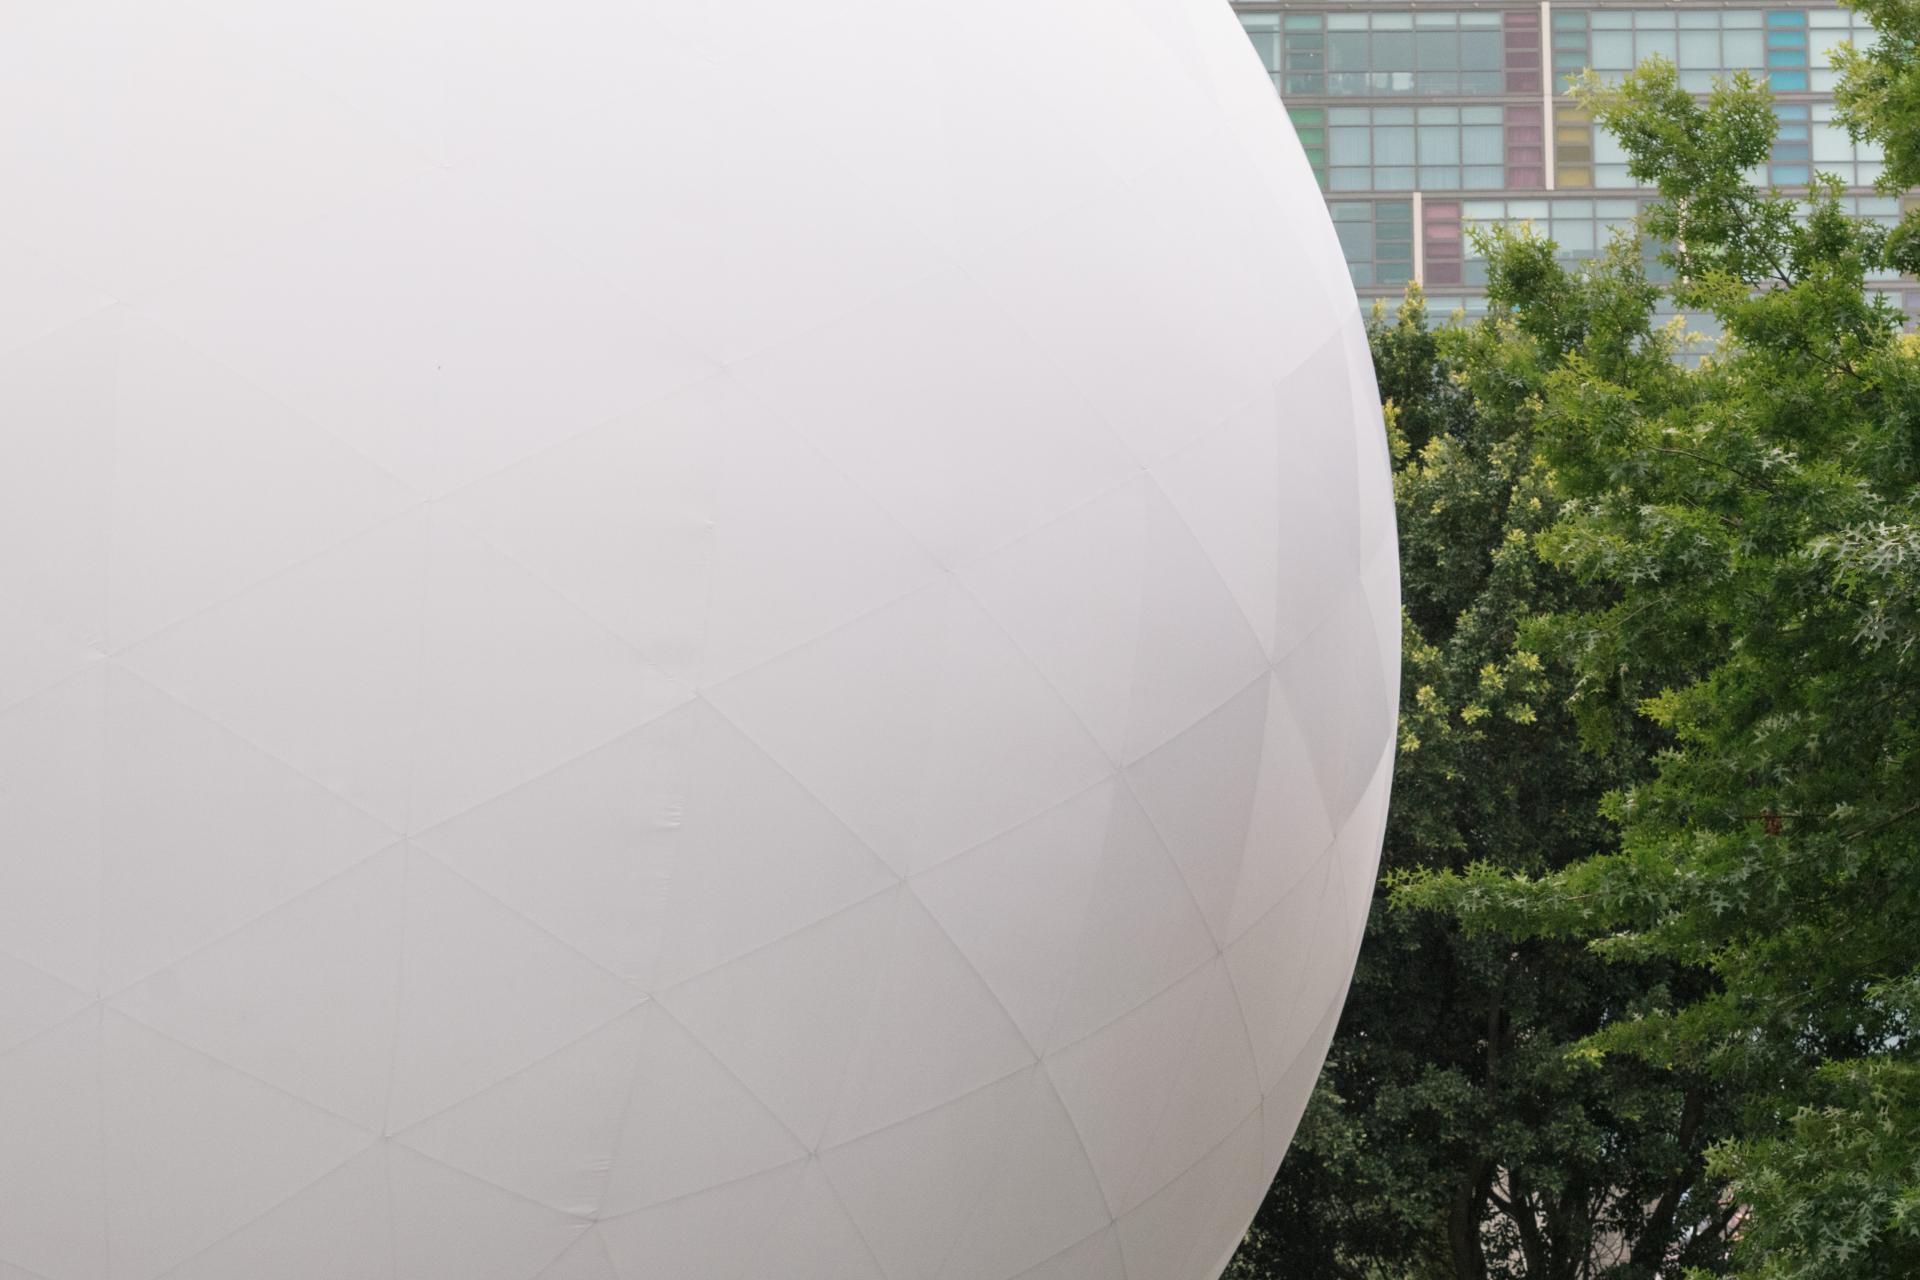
(1426, 120)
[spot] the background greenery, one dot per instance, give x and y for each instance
(1638, 993)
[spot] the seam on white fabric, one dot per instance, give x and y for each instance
(400, 1136)
(372, 1143)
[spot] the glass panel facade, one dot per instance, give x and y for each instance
(1609, 162)
(1375, 54)
(1440, 241)
(1310, 125)
(1580, 228)
(1701, 43)
(1484, 52)
(1377, 238)
(1416, 148)
(1832, 151)
(1572, 146)
(1827, 30)
(1787, 50)
(1572, 52)
(1526, 148)
(1426, 119)
(1522, 35)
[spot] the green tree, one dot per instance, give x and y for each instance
(1751, 531)
(1452, 1134)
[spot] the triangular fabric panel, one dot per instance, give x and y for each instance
(1196, 649)
(507, 355)
(921, 725)
(37, 652)
(1199, 792)
(743, 273)
(10, 1272)
(53, 1215)
(446, 1223)
(928, 154)
(911, 1186)
(199, 453)
(1117, 1083)
(787, 1018)
(342, 1224)
(1176, 1233)
(437, 713)
(1356, 850)
(1373, 502)
(484, 994)
(509, 78)
(1095, 1258)
(1143, 931)
(1282, 979)
(54, 500)
(305, 997)
(196, 1150)
(815, 1240)
(1327, 679)
(547, 1132)
(1154, 329)
(689, 1123)
(712, 1235)
(1014, 905)
(1287, 830)
(1226, 487)
(733, 543)
(1042, 1196)
(1073, 594)
(1124, 613)
(514, 679)
(938, 427)
(587, 851)
(1380, 580)
(935, 1032)
(52, 749)
(586, 1260)
(205, 832)
(654, 850)
(39, 297)
(31, 1001)
(1213, 1091)
(1287, 1101)
(267, 666)
(1320, 535)
(729, 896)
(153, 95)
(631, 546)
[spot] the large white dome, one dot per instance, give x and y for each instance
(671, 640)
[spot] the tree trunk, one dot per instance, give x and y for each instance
(1533, 1246)
(1650, 1250)
(1463, 1222)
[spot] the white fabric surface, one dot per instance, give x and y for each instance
(664, 639)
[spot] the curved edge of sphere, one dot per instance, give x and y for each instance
(673, 639)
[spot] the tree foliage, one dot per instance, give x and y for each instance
(1753, 528)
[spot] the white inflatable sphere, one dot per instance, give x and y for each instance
(671, 639)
